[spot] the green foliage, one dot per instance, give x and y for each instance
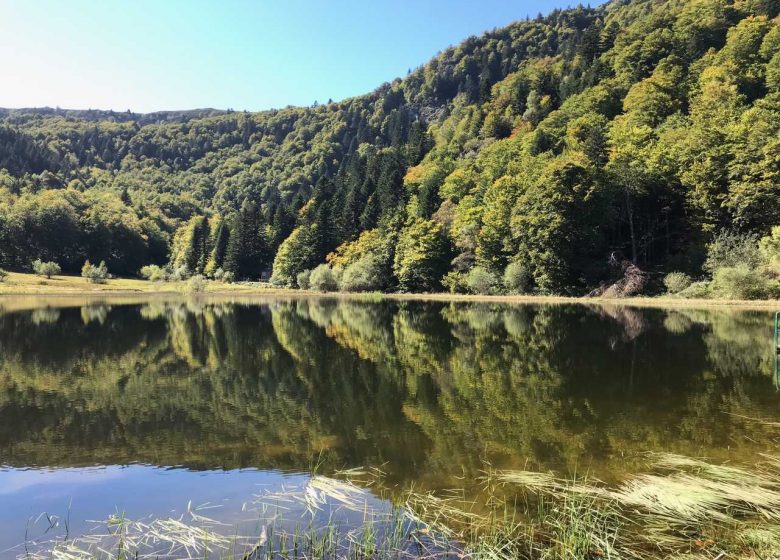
(221, 241)
(47, 269)
(247, 254)
(552, 227)
(3, 274)
(676, 282)
(454, 282)
(367, 274)
(154, 273)
(421, 257)
(516, 279)
(480, 280)
(179, 273)
(295, 254)
(303, 279)
(95, 274)
(731, 250)
(192, 245)
(197, 284)
(769, 247)
(224, 276)
(741, 282)
(370, 242)
(323, 279)
(697, 290)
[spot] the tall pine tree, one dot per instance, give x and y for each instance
(221, 241)
(248, 253)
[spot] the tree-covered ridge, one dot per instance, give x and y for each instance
(526, 158)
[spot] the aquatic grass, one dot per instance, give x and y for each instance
(682, 508)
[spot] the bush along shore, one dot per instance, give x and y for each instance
(737, 267)
(680, 508)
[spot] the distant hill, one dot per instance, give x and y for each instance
(18, 116)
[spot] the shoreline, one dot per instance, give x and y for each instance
(20, 286)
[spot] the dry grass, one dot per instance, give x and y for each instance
(28, 284)
(681, 508)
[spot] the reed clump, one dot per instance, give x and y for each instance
(680, 508)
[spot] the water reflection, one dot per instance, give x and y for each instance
(431, 391)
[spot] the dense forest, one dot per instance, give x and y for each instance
(542, 157)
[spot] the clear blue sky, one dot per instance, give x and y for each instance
(148, 55)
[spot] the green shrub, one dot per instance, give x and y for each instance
(364, 275)
(454, 282)
(47, 269)
(303, 279)
(3, 274)
(154, 273)
(697, 290)
(179, 273)
(676, 282)
(517, 278)
(323, 279)
(480, 280)
(731, 250)
(197, 283)
(769, 248)
(741, 282)
(95, 274)
(222, 275)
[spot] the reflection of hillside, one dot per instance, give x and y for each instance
(565, 386)
(181, 388)
(358, 399)
(428, 390)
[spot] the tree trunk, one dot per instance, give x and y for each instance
(630, 213)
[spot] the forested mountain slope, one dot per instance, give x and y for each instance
(640, 128)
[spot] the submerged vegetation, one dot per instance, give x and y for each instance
(537, 158)
(682, 508)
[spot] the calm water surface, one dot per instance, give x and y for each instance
(145, 408)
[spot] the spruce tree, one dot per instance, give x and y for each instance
(248, 253)
(221, 240)
(198, 248)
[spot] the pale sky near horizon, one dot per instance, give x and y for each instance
(147, 55)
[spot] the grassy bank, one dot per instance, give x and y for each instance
(20, 284)
(30, 284)
(680, 508)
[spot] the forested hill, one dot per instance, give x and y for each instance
(643, 128)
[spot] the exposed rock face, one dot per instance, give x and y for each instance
(631, 281)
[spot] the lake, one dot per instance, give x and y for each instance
(167, 408)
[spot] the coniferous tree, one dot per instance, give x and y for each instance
(197, 252)
(282, 224)
(248, 253)
(221, 242)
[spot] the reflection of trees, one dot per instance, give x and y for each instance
(562, 385)
(735, 378)
(203, 386)
(358, 399)
(430, 390)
